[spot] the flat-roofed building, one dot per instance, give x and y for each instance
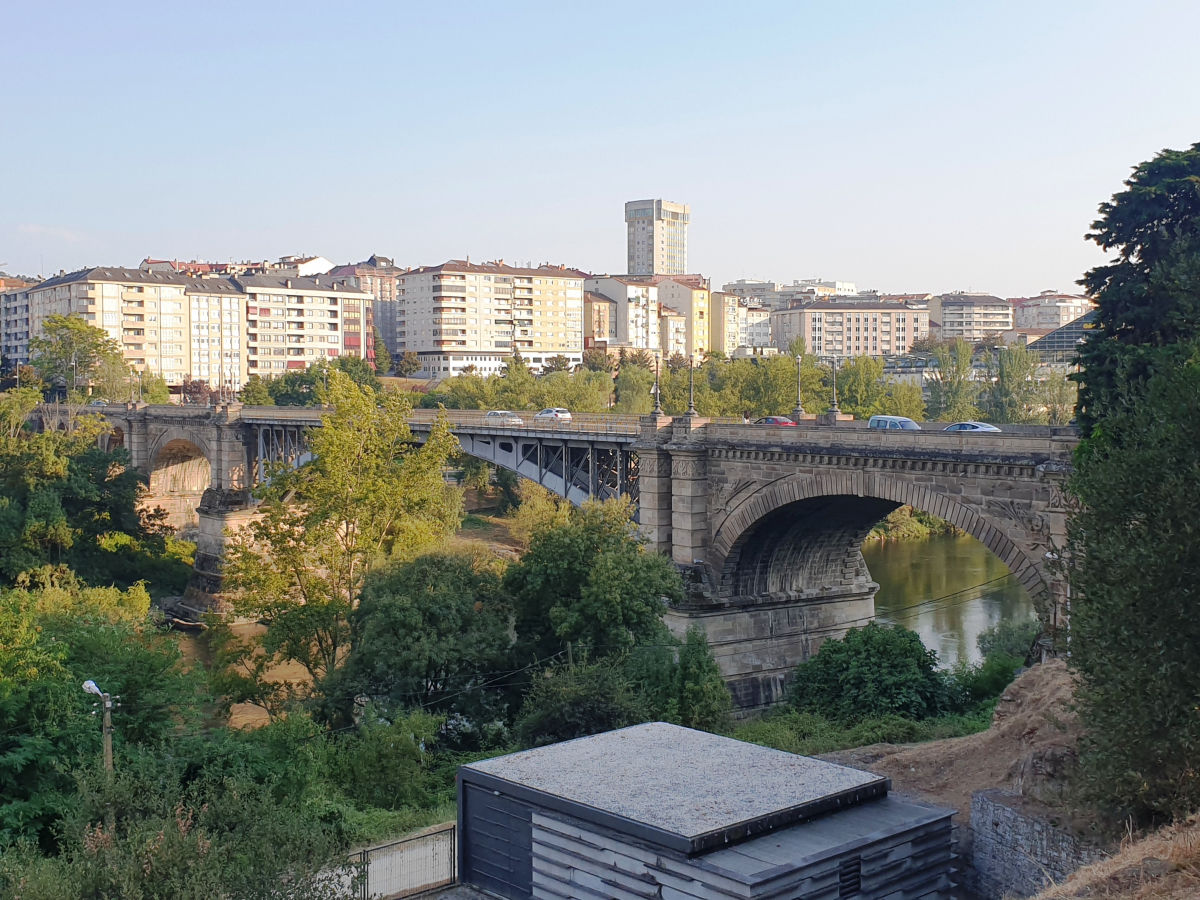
(672, 328)
(656, 235)
(599, 320)
(850, 327)
(1049, 310)
(463, 314)
(293, 322)
(379, 277)
(971, 317)
(754, 325)
(689, 295)
(636, 309)
(723, 313)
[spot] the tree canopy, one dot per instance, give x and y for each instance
(70, 352)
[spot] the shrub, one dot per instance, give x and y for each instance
(575, 701)
(1011, 637)
(873, 671)
(987, 680)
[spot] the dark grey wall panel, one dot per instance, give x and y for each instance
(497, 843)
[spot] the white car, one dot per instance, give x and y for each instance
(971, 426)
(554, 412)
(896, 423)
(502, 417)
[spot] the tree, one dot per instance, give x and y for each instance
(408, 364)
(429, 632)
(69, 350)
(299, 387)
(255, 393)
(557, 363)
(638, 357)
(953, 390)
(704, 701)
(632, 387)
(1146, 297)
(568, 702)
(677, 362)
(369, 494)
(1059, 395)
(383, 359)
(359, 370)
(1133, 555)
(197, 391)
(872, 671)
(901, 398)
(114, 380)
(1015, 395)
(861, 388)
(153, 388)
(597, 360)
(590, 581)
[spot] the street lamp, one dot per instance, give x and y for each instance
(106, 702)
(656, 391)
(798, 412)
(691, 410)
(833, 363)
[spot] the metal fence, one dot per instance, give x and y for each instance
(408, 867)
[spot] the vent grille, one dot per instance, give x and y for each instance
(850, 877)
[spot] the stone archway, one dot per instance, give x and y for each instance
(180, 473)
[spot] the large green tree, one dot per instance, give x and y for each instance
(1134, 562)
(1148, 297)
(589, 581)
(383, 359)
(69, 352)
(953, 391)
(369, 494)
(1015, 395)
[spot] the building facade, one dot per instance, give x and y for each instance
(463, 314)
(723, 313)
(380, 277)
(971, 317)
(636, 309)
(689, 295)
(672, 332)
(599, 320)
(656, 234)
(845, 328)
(774, 295)
(754, 325)
(1049, 310)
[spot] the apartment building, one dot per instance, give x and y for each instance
(672, 332)
(380, 277)
(292, 323)
(1049, 310)
(14, 322)
(463, 314)
(774, 295)
(636, 309)
(851, 326)
(723, 315)
(656, 234)
(689, 295)
(754, 325)
(971, 317)
(599, 320)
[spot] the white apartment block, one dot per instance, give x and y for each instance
(672, 326)
(774, 295)
(292, 323)
(1050, 310)
(846, 328)
(754, 325)
(637, 309)
(971, 317)
(463, 314)
(723, 313)
(656, 233)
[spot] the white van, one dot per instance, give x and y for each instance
(902, 423)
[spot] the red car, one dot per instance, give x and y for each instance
(775, 420)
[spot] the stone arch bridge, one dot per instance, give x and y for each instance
(765, 521)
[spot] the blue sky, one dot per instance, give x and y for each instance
(905, 146)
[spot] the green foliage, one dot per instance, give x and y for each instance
(383, 359)
(556, 363)
(55, 634)
(69, 352)
(589, 580)
(873, 671)
(1135, 553)
(154, 388)
(298, 387)
(369, 494)
(906, 523)
(382, 764)
(359, 371)
(809, 734)
(567, 702)
(408, 364)
(680, 682)
(1014, 395)
(256, 393)
(988, 679)
(64, 500)
(429, 633)
(1147, 296)
(953, 391)
(1010, 637)
(633, 386)
(596, 360)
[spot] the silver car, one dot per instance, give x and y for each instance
(502, 417)
(971, 426)
(554, 412)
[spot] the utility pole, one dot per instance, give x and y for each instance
(106, 704)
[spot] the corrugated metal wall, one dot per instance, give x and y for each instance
(497, 843)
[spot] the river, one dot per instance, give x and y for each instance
(947, 589)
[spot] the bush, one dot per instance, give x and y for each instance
(873, 671)
(809, 734)
(382, 764)
(575, 701)
(1011, 637)
(987, 680)
(681, 683)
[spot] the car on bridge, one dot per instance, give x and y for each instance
(972, 426)
(774, 420)
(554, 413)
(502, 417)
(903, 423)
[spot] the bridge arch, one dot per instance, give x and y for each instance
(180, 470)
(800, 536)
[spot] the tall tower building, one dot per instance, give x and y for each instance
(657, 235)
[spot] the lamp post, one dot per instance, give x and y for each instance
(106, 704)
(833, 364)
(657, 391)
(798, 412)
(691, 410)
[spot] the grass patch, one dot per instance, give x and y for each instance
(474, 523)
(810, 734)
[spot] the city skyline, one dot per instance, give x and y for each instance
(906, 150)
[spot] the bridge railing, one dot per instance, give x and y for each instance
(580, 423)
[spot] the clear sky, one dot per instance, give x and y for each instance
(905, 146)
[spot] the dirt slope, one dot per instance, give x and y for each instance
(1026, 750)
